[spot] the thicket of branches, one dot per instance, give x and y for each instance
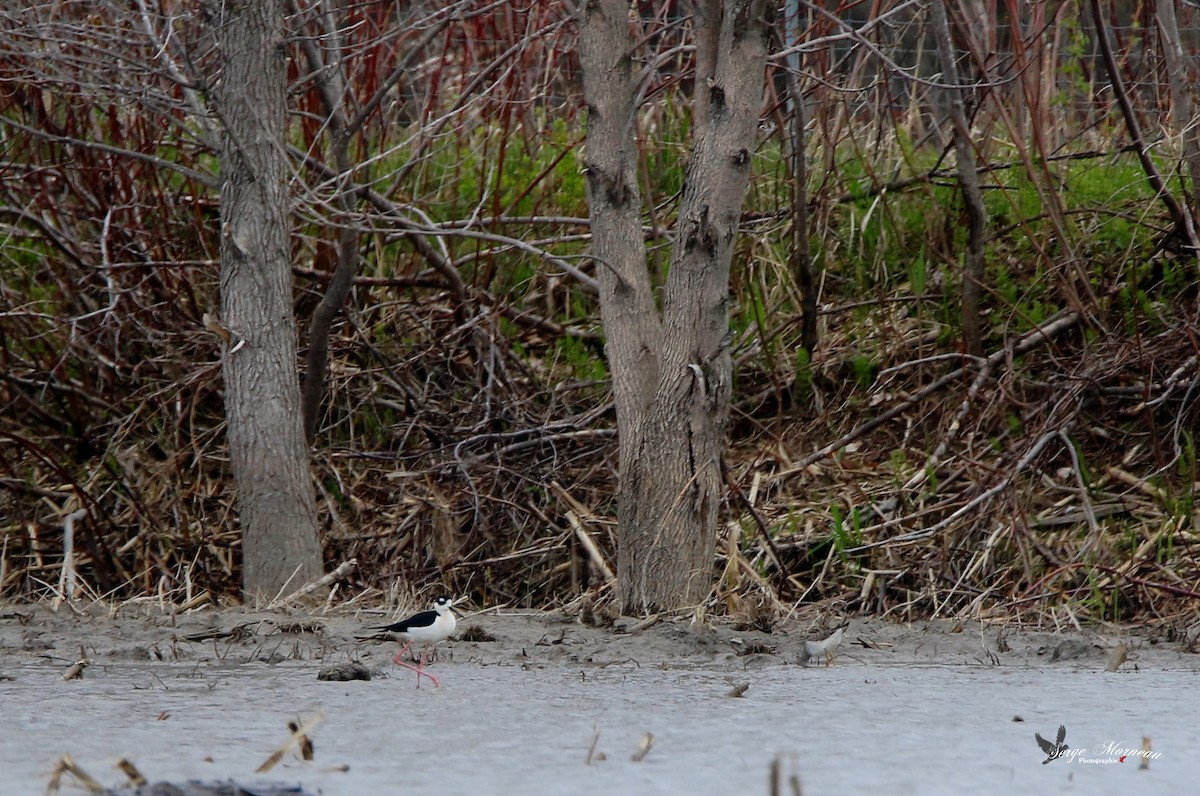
(989, 405)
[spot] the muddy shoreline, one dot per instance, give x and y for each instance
(111, 635)
(539, 702)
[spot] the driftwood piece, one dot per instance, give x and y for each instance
(644, 747)
(342, 571)
(299, 736)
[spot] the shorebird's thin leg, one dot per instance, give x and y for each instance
(399, 659)
(421, 671)
(419, 668)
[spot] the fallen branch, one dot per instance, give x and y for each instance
(75, 671)
(593, 550)
(342, 571)
(299, 735)
(592, 754)
(66, 765)
(643, 749)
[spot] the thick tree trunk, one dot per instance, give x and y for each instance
(275, 501)
(671, 375)
(633, 330)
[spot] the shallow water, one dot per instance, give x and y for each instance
(850, 728)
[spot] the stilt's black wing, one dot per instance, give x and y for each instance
(423, 619)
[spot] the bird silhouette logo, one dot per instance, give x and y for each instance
(1053, 750)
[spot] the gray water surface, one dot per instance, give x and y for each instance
(850, 728)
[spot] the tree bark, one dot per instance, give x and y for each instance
(671, 374)
(707, 28)
(275, 501)
(633, 330)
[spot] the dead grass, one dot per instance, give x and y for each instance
(1050, 483)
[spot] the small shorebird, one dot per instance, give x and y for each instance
(823, 649)
(427, 627)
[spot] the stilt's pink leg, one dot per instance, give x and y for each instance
(421, 671)
(399, 659)
(419, 668)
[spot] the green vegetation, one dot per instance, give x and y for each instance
(465, 416)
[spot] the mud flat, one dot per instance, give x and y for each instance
(550, 706)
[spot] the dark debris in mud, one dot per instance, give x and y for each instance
(476, 633)
(343, 672)
(195, 788)
(139, 786)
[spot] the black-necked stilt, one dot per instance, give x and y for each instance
(427, 627)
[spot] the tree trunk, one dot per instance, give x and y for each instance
(671, 374)
(973, 261)
(275, 500)
(633, 331)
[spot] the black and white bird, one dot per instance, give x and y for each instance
(427, 627)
